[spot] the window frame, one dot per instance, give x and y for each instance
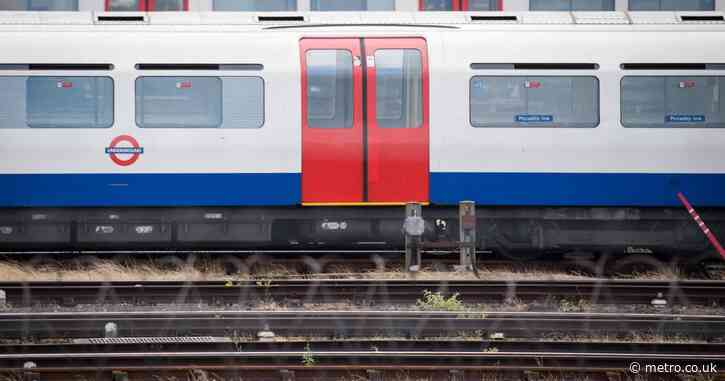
(221, 80)
(598, 103)
(147, 6)
(662, 126)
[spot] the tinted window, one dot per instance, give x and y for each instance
(534, 101)
(438, 5)
(124, 5)
(200, 102)
(255, 5)
(571, 5)
(482, 5)
(243, 102)
(168, 5)
(56, 102)
(69, 102)
(38, 5)
(179, 102)
(673, 101)
(672, 5)
(399, 88)
(329, 89)
(353, 5)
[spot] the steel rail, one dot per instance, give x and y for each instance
(227, 344)
(349, 323)
(23, 294)
(369, 359)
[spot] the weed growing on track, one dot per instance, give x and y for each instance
(434, 301)
(307, 358)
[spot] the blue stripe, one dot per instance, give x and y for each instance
(578, 189)
(559, 189)
(149, 189)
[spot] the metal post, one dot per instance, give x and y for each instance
(287, 375)
(413, 228)
(467, 223)
(28, 373)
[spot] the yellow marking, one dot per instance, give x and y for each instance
(359, 203)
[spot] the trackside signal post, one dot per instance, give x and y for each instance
(467, 224)
(413, 228)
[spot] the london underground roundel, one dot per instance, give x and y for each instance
(124, 150)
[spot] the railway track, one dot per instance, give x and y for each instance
(107, 360)
(53, 325)
(700, 292)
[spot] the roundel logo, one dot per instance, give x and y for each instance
(124, 150)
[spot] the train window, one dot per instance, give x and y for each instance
(571, 5)
(398, 88)
(329, 89)
(166, 5)
(671, 5)
(540, 101)
(483, 5)
(352, 5)
(125, 5)
(255, 5)
(56, 102)
(39, 5)
(673, 101)
(200, 102)
(438, 5)
(179, 102)
(69, 102)
(243, 102)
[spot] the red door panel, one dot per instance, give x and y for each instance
(397, 120)
(332, 129)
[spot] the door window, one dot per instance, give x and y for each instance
(329, 89)
(399, 88)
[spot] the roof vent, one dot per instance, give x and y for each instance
(133, 18)
(702, 18)
(285, 19)
(494, 18)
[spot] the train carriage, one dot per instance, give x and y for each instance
(570, 131)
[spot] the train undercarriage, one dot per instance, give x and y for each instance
(516, 232)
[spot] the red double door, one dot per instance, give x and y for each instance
(364, 121)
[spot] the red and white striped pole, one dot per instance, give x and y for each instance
(701, 224)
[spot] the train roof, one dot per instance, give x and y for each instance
(431, 20)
